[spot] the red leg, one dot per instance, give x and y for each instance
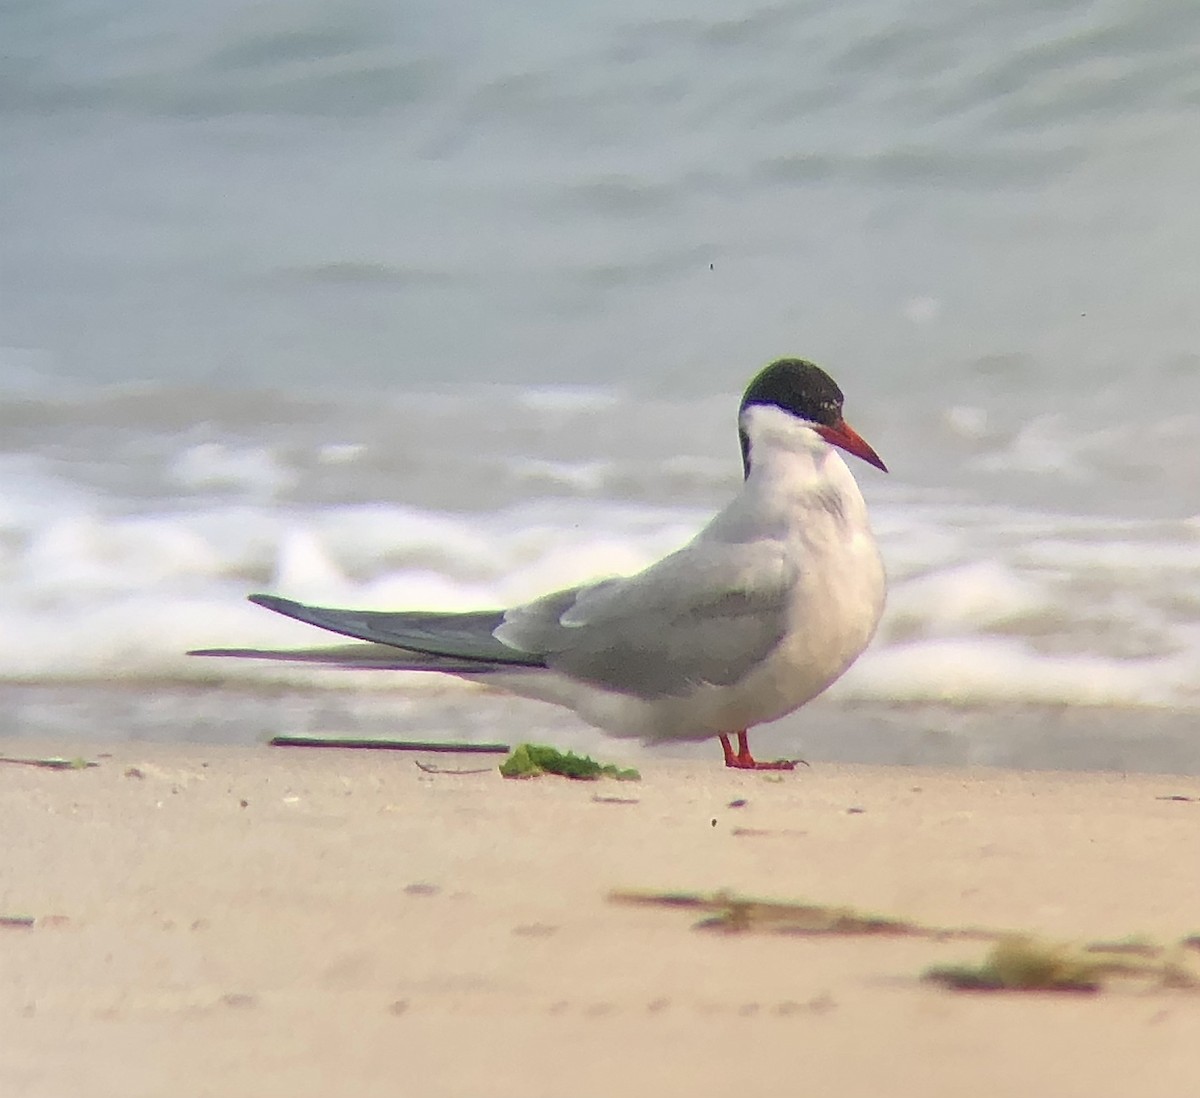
(743, 760)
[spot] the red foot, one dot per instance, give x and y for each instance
(743, 760)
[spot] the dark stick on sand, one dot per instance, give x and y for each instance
(389, 745)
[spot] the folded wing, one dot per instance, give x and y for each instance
(702, 615)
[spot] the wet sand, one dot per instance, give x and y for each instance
(254, 921)
(1038, 737)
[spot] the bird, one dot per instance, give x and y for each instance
(760, 612)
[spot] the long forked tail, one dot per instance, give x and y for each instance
(357, 657)
(398, 641)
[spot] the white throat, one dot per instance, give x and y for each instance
(795, 474)
(777, 437)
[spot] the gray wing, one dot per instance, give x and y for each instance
(707, 614)
(466, 637)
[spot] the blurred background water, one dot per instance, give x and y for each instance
(446, 305)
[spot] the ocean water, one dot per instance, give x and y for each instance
(447, 307)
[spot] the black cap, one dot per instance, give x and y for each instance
(799, 387)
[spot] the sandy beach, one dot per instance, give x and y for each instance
(257, 921)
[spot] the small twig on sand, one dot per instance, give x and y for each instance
(429, 768)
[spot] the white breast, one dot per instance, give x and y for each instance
(801, 491)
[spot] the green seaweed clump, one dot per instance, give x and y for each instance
(1021, 963)
(531, 760)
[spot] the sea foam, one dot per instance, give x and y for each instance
(134, 523)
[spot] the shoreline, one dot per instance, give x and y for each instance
(1041, 737)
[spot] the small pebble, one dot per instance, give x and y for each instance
(420, 888)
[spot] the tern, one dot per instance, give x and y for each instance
(759, 613)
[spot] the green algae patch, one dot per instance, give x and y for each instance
(1020, 962)
(54, 763)
(532, 760)
(1015, 962)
